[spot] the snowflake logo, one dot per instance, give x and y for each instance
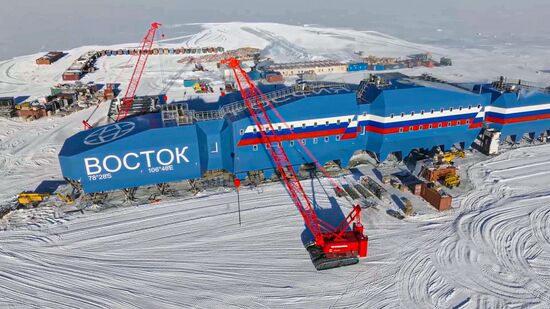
(109, 133)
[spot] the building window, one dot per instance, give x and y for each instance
(255, 147)
(279, 128)
(458, 122)
(432, 111)
(439, 125)
(441, 110)
(479, 106)
(420, 127)
(326, 139)
(337, 138)
(391, 115)
(303, 141)
(469, 106)
(338, 122)
(326, 123)
(422, 112)
(402, 114)
(449, 124)
(412, 113)
(291, 143)
(315, 124)
(400, 130)
(450, 109)
(349, 120)
(303, 125)
(467, 121)
(460, 108)
(292, 127)
(315, 140)
(430, 126)
(241, 131)
(411, 128)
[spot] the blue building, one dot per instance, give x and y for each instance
(516, 109)
(388, 113)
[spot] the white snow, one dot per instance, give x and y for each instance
(491, 251)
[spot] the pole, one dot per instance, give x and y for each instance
(237, 183)
(239, 206)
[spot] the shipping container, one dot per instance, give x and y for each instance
(437, 199)
(50, 58)
(254, 75)
(274, 78)
(190, 82)
(353, 67)
(72, 76)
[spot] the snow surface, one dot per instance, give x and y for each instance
(491, 251)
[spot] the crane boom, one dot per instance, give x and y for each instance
(333, 246)
(143, 55)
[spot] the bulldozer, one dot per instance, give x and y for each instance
(452, 181)
(31, 198)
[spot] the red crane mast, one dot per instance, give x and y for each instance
(333, 246)
(143, 55)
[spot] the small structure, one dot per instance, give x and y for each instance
(84, 64)
(274, 77)
(318, 67)
(445, 62)
(50, 58)
(31, 110)
(436, 173)
(361, 66)
(490, 141)
(7, 106)
(435, 196)
(71, 75)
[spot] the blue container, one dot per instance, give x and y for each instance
(353, 67)
(254, 75)
(189, 82)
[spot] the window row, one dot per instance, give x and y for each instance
(315, 140)
(279, 128)
(439, 125)
(441, 110)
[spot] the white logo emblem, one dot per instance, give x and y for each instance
(109, 133)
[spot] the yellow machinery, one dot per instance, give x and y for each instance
(459, 153)
(65, 198)
(452, 181)
(448, 157)
(26, 198)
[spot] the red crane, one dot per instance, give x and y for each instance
(332, 246)
(143, 54)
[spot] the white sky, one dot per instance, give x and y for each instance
(28, 26)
